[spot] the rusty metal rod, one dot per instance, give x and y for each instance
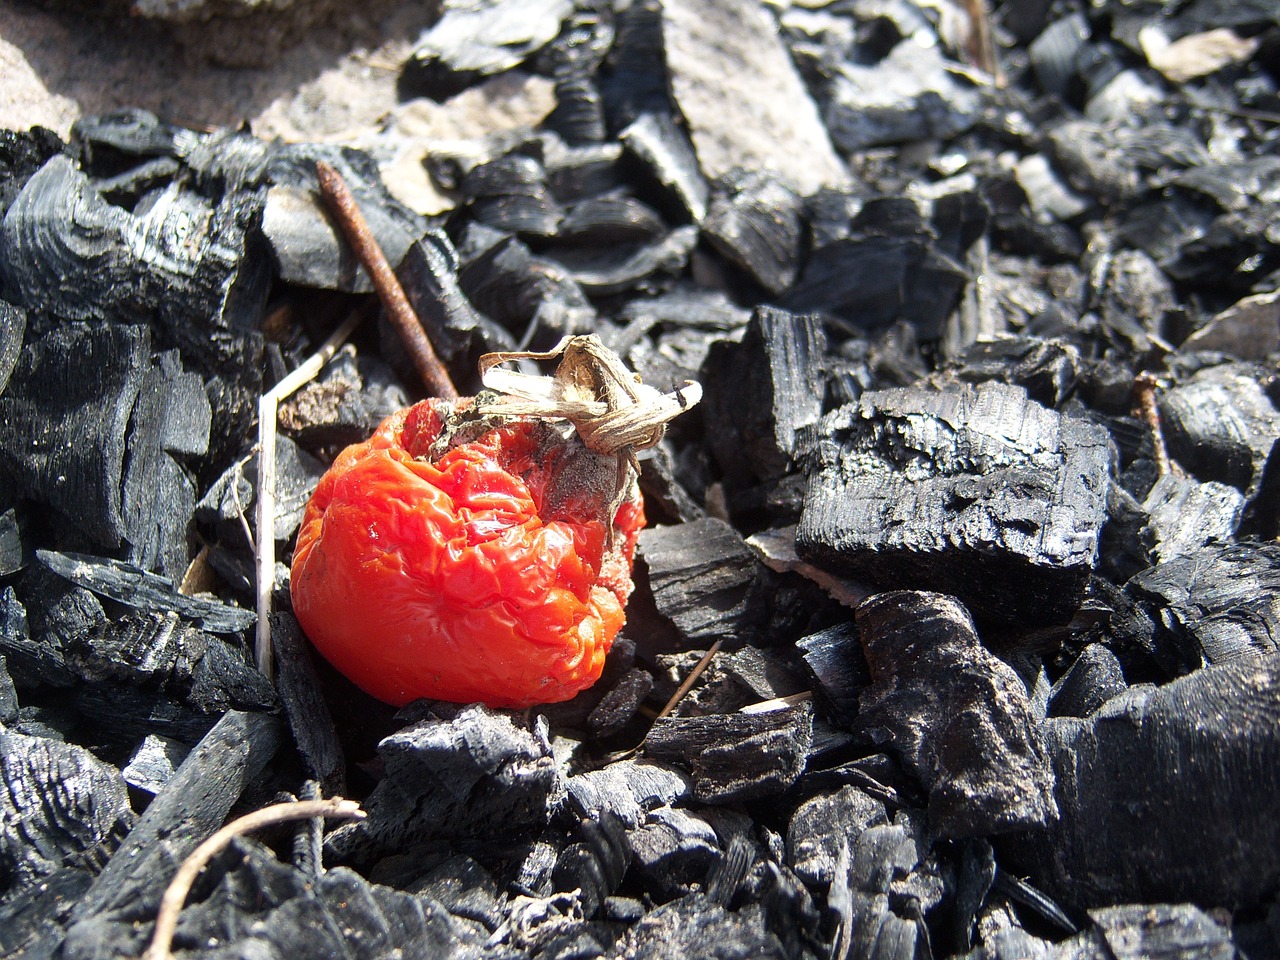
(337, 196)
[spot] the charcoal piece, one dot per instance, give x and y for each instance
(459, 333)
(620, 705)
(1054, 53)
(65, 418)
(232, 496)
(31, 919)
(1249, 329)
(740, 756)
(133, 587)
(135, 713)
(664, 148)
(8, 695)
(1137, 930)
(1184, 515)
(673, 850)
(1218, 604)
(758, 225)
(477, 775)
(127, 133)
(777, 128)
(909, 95)
(154, 763)
(634, 79)
(510, 194)
(60, 806)
(825, 827)
(12, 555)
(833, 658)
(580, 171)
(474, 39)
(192, 806)
(1220, 425)
(347, 403)
(957, 716)
(13, 327)
(759, 394)
(978, 492)
(610, 219)
(141, 649)
(627, 790)
(21, 155)
(314, 733)
(642, 266)
(1049, 369)
(187, 264)
(1093, 679)
(573, 60)
(224, 678)
(464, 888)
(595, 864)
(881, 273)
(703, 577)
(1133, 297)
(1167, 794)
(32, 661)
(1093, 161)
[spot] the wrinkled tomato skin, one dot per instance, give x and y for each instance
(440, 579)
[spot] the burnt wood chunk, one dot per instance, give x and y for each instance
(1184, 515)
(479, 774)
(760, 392)
(757, 223)
(134, 587)
(627, 790)
(1135, 931)
(958, 717)
(1093, 679)
(314, 733)
(665, 149)
(824, 829)
(739, 756)
(977, 492)
(703, 576)
(33, 661)
(674, 849)
(1218, 604)
(1168, 794)
(8, 695)
(696, 926)
(13, 327)
(834, 661)
(193, 804)
(59, 806)
(1220, 425)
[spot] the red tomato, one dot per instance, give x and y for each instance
(482, 573)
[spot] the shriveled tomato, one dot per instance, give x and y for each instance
(471, 554)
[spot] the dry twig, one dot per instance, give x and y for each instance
(1144, 388)
(176, 893)
(355, 228)
(265, 548)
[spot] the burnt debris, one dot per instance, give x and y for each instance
(968, 551)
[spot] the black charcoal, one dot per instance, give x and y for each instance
(32, 661)
(510, 194)
(344, 406)
(825, 828)
(978, 492)
(12, 555)
(620, 705)
(8, 695)
(1221, 424)
(703, 577)
(476, 775)
(308, 714)
(738, 756)
(133, 587)
(776, 127)
(193, 804)
(665, 149)
(695, 926)
(1094, 678)
(594, 864)
(229, 503)
(673, 849)
(1184, 515)
(13, 327)
(1218, 603)
(1139, 930)
(760, 393)
(647, 266)
(957, 716)
(573, 60)
(154, 763)
(474, 39)
(757, 224)
(909, 95)
(1204, 752)
(59, 806)
(627, 790)
(833, 658)
(1247, 330)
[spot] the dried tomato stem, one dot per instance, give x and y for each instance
(355, 228)
(176, 893)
